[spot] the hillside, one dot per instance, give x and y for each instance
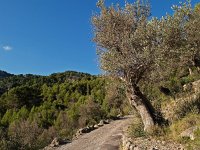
(52, 106)
(4, 74)
(10, 81)
(35, 109)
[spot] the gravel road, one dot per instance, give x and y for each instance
(107, 137)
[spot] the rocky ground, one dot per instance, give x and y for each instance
(114, 136)
(107, 137)
(150, 144)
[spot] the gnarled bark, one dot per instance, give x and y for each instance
(142, 105)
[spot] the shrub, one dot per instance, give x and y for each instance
(137, 129)
(90, 113)
(47, 136)
(23, 135)
(181, 125)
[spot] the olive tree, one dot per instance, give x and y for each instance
(134, 48)
(193, 34)
(180, 38)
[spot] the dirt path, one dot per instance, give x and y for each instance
(107, 137)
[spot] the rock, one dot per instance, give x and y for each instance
(189, 132)
(85, 130)
(136, 148)
(79, 132)
(119, 116)
(54, 143)
(107, 121)
(180, 148)
(96, 126)
(194, 86)
(124, 140)
(91, 127)
(101, 123)
(127, 146)
(155, 148)
(148, 144)
(64, 141)
(49, 148)
(131, 147)
(163, 142)
(187, 87)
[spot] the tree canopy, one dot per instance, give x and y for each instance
(136, 48)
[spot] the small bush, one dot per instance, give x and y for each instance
(23, 135)
(179, 126)
(137, 129)
(192, 144)
(159, 132)
(47, 136)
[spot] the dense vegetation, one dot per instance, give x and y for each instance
(4, 74)
(35, 109)
(152, 61)
(157, 59)
(180, 109)
(138, 49)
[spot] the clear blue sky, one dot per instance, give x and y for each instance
(47, 36)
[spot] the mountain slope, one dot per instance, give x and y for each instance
(4, 74)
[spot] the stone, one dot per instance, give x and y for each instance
(124, 140)
(136, 148)
(155, 148)
(119, 116)
(158, 141)
(163, 142)
(85, 130)
(127, 146)
(107, 121)
(131, 147)
(91, 127)
(189, 132)
(101, 123)
(64, 141)
(54, 143)
(194, 86)
(79, 132)
(96, 126)
(187, 87)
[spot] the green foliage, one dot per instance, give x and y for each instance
(21, 96)
(53, 106)
(4, 74)
(7, 118)
(90, 113)
(197, 8)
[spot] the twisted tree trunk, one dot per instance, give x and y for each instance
(142, 105)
